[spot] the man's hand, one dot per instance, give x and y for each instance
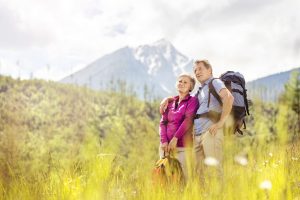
(164, 147)
(214, 128)
(227, 100)
(163, 105)
(172, 145)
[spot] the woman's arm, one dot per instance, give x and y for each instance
(190, 112)
(163, 127)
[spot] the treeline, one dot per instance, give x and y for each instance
(279, 119)
(269, 89)
(47, 125)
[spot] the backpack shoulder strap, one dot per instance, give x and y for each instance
(212, 90)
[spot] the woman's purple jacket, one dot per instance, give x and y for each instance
(177, 120)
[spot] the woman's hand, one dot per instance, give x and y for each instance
(164, 147)
(172, 145)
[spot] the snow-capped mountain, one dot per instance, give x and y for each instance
(155, 65)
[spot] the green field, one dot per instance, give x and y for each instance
(66, 142)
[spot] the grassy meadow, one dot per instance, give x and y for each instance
(65, 142)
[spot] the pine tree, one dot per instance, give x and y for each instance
(291, 97)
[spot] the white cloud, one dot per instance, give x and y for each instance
(254, 37)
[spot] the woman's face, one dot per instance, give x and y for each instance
(183, 84)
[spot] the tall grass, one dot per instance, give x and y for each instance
(105, 176)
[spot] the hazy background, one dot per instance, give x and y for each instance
(52, 39)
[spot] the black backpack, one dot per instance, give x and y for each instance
(235, 83)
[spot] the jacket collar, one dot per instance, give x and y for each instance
(176, 98)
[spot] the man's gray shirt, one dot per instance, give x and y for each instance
(201, 125)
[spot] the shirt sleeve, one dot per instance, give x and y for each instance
(163, 126)
(218, 85)
(190, 112)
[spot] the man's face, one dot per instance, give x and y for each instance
(202, 74)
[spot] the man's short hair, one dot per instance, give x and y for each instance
(205, 63)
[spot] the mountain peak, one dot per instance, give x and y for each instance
(161, 56)
(162, 43)
(156, 65)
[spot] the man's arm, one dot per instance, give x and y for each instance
(164, 104)
(227, 100)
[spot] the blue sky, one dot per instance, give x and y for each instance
(51, 39)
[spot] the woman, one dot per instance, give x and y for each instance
(177, 121)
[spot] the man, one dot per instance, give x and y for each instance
(210, 116)
(208, 128)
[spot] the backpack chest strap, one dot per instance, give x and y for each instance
(212, 115)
